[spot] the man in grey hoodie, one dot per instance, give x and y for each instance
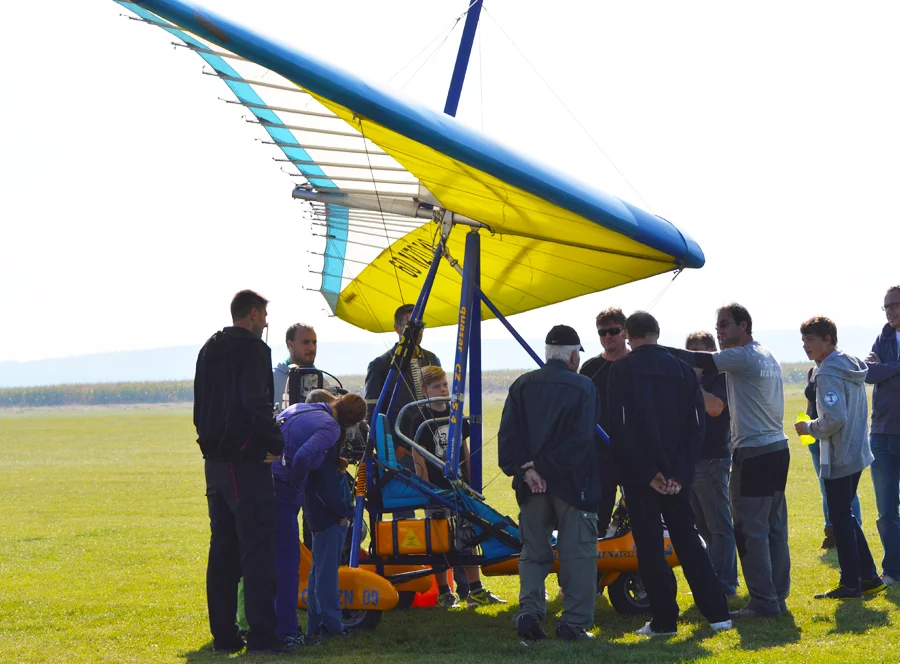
(842, 430)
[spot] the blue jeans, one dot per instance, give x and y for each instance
(323, 607)
(853, 552)
(886, 480)
(712, 510)
(815, 452)
(287, 559)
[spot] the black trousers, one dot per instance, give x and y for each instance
(853, 552)
(241, 501)
(646, 509)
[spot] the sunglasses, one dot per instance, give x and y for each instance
(612, 331)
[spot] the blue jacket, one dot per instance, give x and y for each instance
(309, 431)
(550, 418)
(657, 416)
(327, 495)
(885, 376)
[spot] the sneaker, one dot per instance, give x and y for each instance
(873, 586)
(299, 639)
(483, 597)
(841, 592)
(647, 630)
(888, 580)
(447, 601)
(723, 626)
(748, 612)
(529, 628)
(568, 632)
(828, 542)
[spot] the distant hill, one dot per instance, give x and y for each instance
(177, 363)
(343, 358)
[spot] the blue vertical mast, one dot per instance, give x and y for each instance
(462, 58)
(469, 342)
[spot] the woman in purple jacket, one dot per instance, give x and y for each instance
(312, 433)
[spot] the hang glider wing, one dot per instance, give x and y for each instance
(375, 166)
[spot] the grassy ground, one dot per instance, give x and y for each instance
(103, 536)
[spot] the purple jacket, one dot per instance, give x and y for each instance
(885, 375)
(309, 431)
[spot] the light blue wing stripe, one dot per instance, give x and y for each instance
(335, 252)
(337, 245)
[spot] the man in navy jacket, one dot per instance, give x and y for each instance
(547, 443)
(884, 372)
(656, 425)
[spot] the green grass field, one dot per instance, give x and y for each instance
(104, 532)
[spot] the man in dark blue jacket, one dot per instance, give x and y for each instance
(884, 373)
(656, 425)
(547, 443)
(237, 434)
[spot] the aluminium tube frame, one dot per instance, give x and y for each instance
(392, 387)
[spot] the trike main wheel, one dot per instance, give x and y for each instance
(627, 593)
(360, 618)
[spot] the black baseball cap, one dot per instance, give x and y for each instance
(563, 335)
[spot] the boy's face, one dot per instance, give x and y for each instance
(439, 388)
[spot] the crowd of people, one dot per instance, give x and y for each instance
(696, 445)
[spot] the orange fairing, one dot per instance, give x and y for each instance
(616, 554)
(357, 588)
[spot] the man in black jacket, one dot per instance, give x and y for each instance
(236, 431)
(410, 381)
(547, 443)
(656, 418)
(611, 330)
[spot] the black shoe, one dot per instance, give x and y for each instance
(747, 612)
(568, 632)
(530, 628)
(873, 586)
(841, 592)
(828, 542)
(235, 646)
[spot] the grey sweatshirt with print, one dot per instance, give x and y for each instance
(842, 425)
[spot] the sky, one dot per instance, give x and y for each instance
(134, 202)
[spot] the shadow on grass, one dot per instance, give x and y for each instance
(829, 557)
(759, 633)
(467, 635)
(853, 617)
(892, 594)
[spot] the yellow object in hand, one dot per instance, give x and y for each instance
(805, 438)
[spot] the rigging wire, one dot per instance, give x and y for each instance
(659, 297)
(438, 48)
(447, 29)
(569, 111)
(430, 57)
(362, 131)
